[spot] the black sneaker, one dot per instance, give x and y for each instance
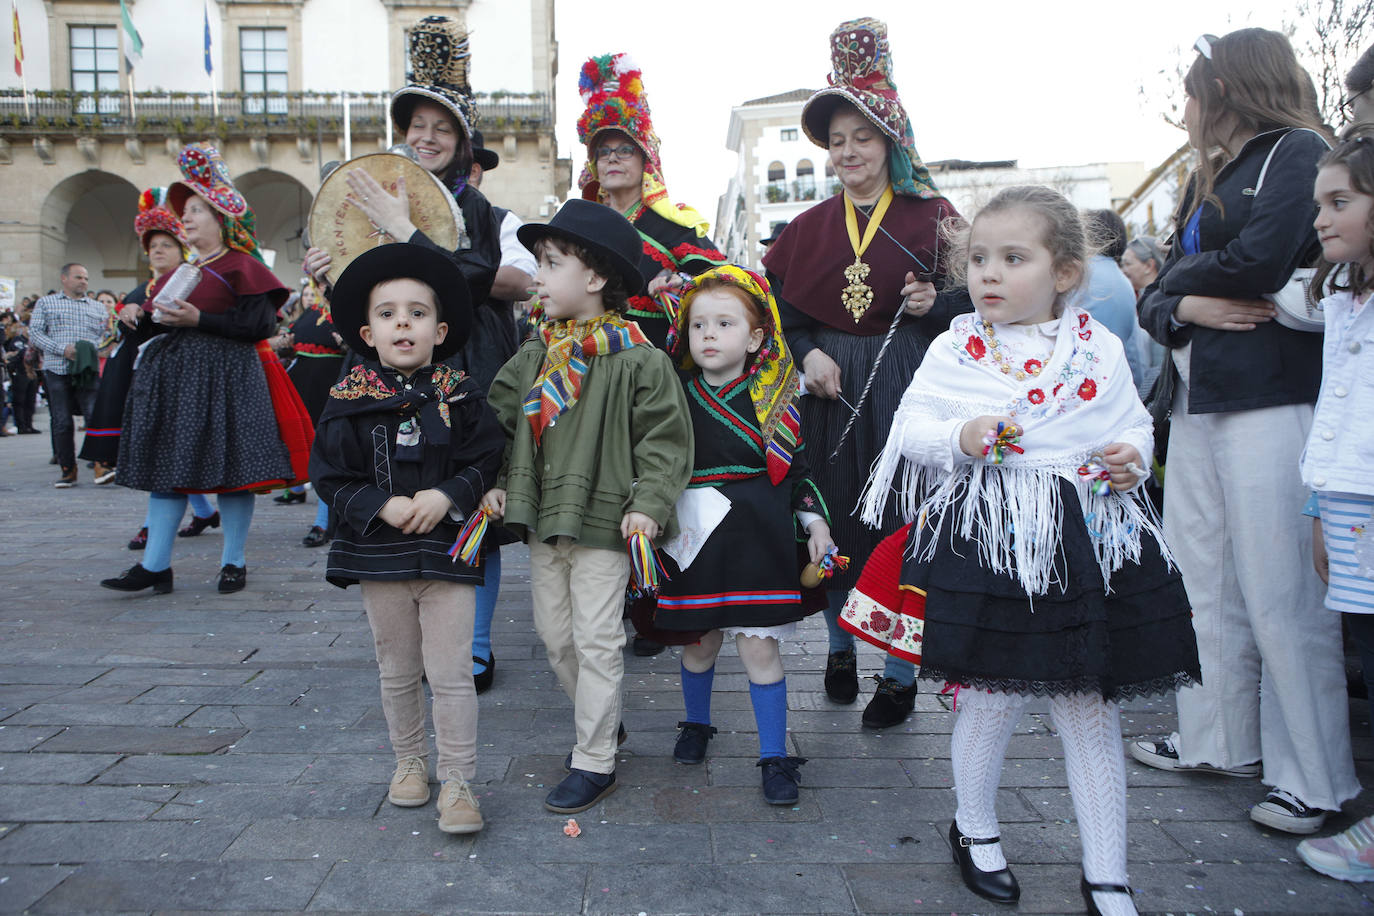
(780, 779)
(691, 742)
(891, 704)
(842, 676)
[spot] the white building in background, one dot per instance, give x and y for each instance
(1149, 209)
(73, 160)
(780, 173)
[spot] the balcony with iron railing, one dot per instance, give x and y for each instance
(236, 114)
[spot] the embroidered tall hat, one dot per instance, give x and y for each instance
(439, 58)
(613, 96)
(204, 173)
(155, 216)
(861, 74)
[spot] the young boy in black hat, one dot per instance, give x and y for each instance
(404, 451)
(599, 446)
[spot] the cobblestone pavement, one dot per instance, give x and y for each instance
(198, 752)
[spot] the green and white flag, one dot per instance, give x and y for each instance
(133, 43)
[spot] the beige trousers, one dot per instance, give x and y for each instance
(579, 596)
(424, 627)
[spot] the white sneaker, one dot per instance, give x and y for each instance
(1284, 811)
(1162, 754)
(410, 783)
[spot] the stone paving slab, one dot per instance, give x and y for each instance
(279, 765)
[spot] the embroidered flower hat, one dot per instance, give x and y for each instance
(439, 58)
(154, 216)
(861, 74)
(203, 172)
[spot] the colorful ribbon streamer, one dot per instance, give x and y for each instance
(832, 562)
(1096, 474)
(646, 569)
(1005, 439)
(468, 546)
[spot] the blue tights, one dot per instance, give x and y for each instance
(164, 515)
(487, 593)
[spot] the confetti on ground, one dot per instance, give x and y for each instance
(571, 828)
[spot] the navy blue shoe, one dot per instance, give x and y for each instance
(780, 779)
(579, 791)
(691, 742)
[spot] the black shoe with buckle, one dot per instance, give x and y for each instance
(198, 524)
(891, 704)
(483, 681)
(842, 676)
(579, 790)
(780, 779)
(1090, 889)
(232, 578)
(136, 579)
(691, 742)
(998, 886)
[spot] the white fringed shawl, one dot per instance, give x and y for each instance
(1082, 401)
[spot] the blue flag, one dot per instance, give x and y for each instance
(209, 68)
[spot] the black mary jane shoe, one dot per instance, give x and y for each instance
(621, 736)
(1089, 889)
(288, 497)
(232, 578)
(315, 537)
(780, 779)
(998, 886)
(140, 540)
(579, 790)
(842, 677)
(891, 704)
(483, 681)
(137, 579)
(691, 742)
(198, 524)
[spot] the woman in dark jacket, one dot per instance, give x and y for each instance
(1243, 388)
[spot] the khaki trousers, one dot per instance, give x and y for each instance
(424, 627)
(579, 597)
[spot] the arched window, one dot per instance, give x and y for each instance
(776, 190)
(832, 184)
(806, 180)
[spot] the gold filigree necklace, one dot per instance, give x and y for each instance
(858, 295)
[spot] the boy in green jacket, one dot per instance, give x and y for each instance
(598, 446)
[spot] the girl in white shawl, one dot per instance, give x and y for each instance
(1031, 567)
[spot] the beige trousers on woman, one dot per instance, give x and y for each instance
(424, 627)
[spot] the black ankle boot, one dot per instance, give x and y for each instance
(1088, 889)
(842, 676)
(998, 886)
(138, 578)
(891, 704)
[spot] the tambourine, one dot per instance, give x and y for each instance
(344, 232)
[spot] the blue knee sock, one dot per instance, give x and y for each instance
(770, 713)
(487, 593)
(696, 694)
(321, 514)
(164, 515)
(236, 514)
(200, 505)
(839, 639)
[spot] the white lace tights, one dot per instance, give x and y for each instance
(1090, 730)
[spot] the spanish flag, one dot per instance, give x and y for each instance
(18, 42)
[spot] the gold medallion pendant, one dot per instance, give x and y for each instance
(858, 295)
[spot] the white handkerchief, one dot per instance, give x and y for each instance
(699, 512)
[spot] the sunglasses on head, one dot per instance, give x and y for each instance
(1204, 44)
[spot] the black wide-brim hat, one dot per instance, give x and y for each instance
(597, 228)
(486, 158)
(396, 261)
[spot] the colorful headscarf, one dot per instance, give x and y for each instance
(155, 216)
(772, 374)
(861, 74)
(569, 345)
(612, 90)
(204, 173)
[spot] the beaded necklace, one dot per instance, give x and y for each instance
(1030, 369)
